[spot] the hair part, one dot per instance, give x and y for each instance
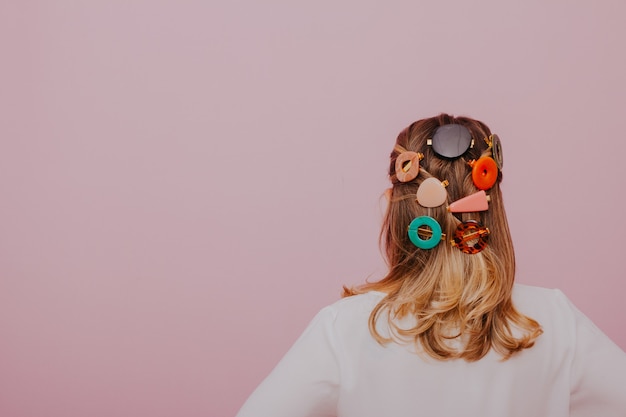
(461, 304)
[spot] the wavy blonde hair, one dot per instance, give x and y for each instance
(461, 303)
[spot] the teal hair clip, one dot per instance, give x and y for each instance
(435, 232)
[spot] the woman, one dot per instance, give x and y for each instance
(446, 332)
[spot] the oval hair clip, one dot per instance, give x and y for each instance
(496, 149)
(451, 141)
(432, 192)
(408, 165)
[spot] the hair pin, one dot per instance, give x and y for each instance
(427, 232)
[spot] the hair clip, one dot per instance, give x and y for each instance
(432, 192)
(478, 201)
(484, 172)
(496, 149)
(408, 165)
(470, 237)
(435, 232)
(451, 141)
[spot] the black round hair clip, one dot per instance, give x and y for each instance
(451, 141)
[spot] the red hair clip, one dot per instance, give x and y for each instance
(484, 172)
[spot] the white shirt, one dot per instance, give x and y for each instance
(336, 368)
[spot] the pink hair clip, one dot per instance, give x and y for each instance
(408, 165)
(478, 201)
(432, 192)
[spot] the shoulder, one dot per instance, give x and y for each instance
(557, 315)
(539, 299)
(522, 290)
(549, 307)
(350, 313)
(357, 304)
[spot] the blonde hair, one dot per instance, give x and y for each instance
(461, 303)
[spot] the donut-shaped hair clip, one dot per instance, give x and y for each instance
(408, 165)
(425, 226)
(451, 141)
(432, 192)
(470, 237)
(484, 172)
(496, 149)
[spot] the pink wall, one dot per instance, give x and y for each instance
(185, 183)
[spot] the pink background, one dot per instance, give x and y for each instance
(185, 183)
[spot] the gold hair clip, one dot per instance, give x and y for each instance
(493, 141)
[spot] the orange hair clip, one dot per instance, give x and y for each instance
(484, 172)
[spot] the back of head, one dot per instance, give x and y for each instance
(451, 263)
